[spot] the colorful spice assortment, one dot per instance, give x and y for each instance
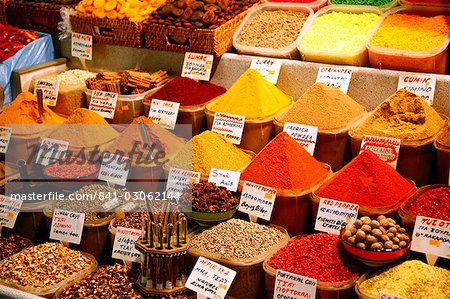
(285, 164)
(410, 279)
(251, 96)
(367, 181)
(77, 169)
(12, 39)
(319, 256)
(432, 203)
(208, 197)
(131, 220)
(12, 245)
(362, 2)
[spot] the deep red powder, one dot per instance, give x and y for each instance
(433, 203)
(188, 92)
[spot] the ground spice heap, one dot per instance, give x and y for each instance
(272, 29)
(418, 33)
(404, 115)
(12, 245)
(285, 164)
(237, 239)
(433, 203)
(251, 96)
(210, 150)
(208, 197)
(324, 107)
(411, 279)
(367, 181)
(444, 137)
(187, 92)
(319, 256)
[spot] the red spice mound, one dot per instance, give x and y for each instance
(433, 203)
(367, 181)
(319, 256)
(284, 164)
(188, 92)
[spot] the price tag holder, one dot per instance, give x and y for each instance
(382, 295)
(178, 179)
(104, 103)
(230, 126)
(5, 137)
(210, 279)
(225, 178)
(197, 66)
(257, 200)
(123, 248)
(269, 68)
(289, 285)
(335, 77)
(422, 85)
(387, 149)
(9, 209)
(333, 215)
(305, 135)
(51, 150)
(49, 89)
(67, 226)
(164, 113)
(82, 46)
(114, 169)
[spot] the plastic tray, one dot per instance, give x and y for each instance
(290, 51)
(314, 5)
(438, 3)
(384, 7)
(359, 58)
(431, 61)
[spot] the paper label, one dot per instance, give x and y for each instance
(422, 85)
(67, 226)
(197, 66)
(230, 126)
(178, 179)
(225, 178)
(210, 279)
(431, 236)
(123, 248)
(82, 46)
(305, 135)
(387, 149)
(49, 89)
(257, 200)
(333, 215)
(335, 77)
(114, 169)
(9, 209)
(164, 113)
(111, 204)
(382, 295)
(5, 137)
(104, 103)
(269, 68)
(293, 286)
(51, 150)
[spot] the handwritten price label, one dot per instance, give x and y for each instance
(335, 77)
(431, 236)
(422, 85)
(49, 89)
(104, 103)
(164, 113)
(9, 209)
(387, 149)
(333, 215)
(67, 226)
(114, 169)
(268, 68)
(123, 248)
(305, 135)
(257, 200)
(5, 137)
(230, 126)
(82, 46)
(225, 178)
(51, 150)
(289, 285)
(382, 295)
(197, 66)
(179, 179)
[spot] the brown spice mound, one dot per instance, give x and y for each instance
(444, 136)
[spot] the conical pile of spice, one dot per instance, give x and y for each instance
(251, 96)
(367, 181)
(324, 107)
(284, 164)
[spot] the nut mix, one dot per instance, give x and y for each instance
(208, 197)
(382, 234)
(131, 220)
(11, 245)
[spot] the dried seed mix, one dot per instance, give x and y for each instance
(11, 245)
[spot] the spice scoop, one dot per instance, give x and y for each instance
(40, 99)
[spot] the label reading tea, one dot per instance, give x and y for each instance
(305, 135)
(225, 178)
(82, 46)
(382, 295)
(114, 169)
(104, 103)
(210, 279)
(268, 68)
(229, 125)
(5, 137)
(293, 286)
(335, 77)
(431, 236)
(197, 66)
(257, 200)
(178, 179)
(164, 113)
(49, 89)
(9, 209)
(123, 248)
(422, 85)
(67, 226)
(387, 149)
(51, 150)
(333, 215)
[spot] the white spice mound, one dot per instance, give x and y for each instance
(74, 77)
(237, 239)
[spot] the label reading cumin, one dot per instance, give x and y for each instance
(422, 85)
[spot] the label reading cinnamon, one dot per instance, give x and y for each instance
(197, 66)
(229, 125)
(422, 85)
(81, 46)
(305, 135)
(164, 113)
(335, 77)
(387, 149)
(104, 103)
(269, 68)
(5, 137)
(49, 89)
(257, 200)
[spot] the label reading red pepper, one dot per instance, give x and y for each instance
(333, 215)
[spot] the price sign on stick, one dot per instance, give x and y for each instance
(335, 76)
(51, 150)
(178, 179)
(305, 135)
(9, 209)
(67, 226)
(123, 248)
(422, 85)
(257, 200)
(289, 285)
(269, 68)
(383, 295)
(164, 113)
(114, 169)
(229, 125)
(387, 149)
(197, 66)
(82, 46)
(333, 215)
(5, 137)
(104, 103)
(225, 178)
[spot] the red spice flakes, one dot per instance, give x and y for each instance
(71, 170)
(132, 220)
(12, 39)
(12, 245)
(319, 256)
(433, 203)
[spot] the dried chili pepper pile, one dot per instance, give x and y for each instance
(131, 220)
(12, 39)
(11, 245)
(208, 197)
(432, 203)
(73, 170)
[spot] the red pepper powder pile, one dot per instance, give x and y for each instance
(12, 39)
(433, 203)
(285, 164)
(367, 181)
(319, 256)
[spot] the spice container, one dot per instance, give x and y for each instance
(272, 29)
(315, 5)
(384, 5)
(438, 3)
(442, 146)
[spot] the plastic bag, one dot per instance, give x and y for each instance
(64, 27)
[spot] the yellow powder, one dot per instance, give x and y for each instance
(251, 96)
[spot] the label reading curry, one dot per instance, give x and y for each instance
(257, 200)
(269, 68)
(387, 149)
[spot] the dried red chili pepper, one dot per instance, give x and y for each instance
(12, 39)
(432, 203)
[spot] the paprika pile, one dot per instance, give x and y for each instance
(433, 203)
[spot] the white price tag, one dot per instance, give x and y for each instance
(67, 226)
(335, 77)
(269, 68)
(422, 85)
(257, 200)
(178, 179)
(225, 178)
(210, 279)
(5, 137)
(197, 66)
(293, 286)
(229, 125)
(387, 149)
(164, 113)
(104, 103)
(49, 89)
(51, 150)
(431, 236)
(305, 135)
(82, 46)
(333, 215)
(383, 295)
(123, 248)
(114, 169)
(9, 209)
